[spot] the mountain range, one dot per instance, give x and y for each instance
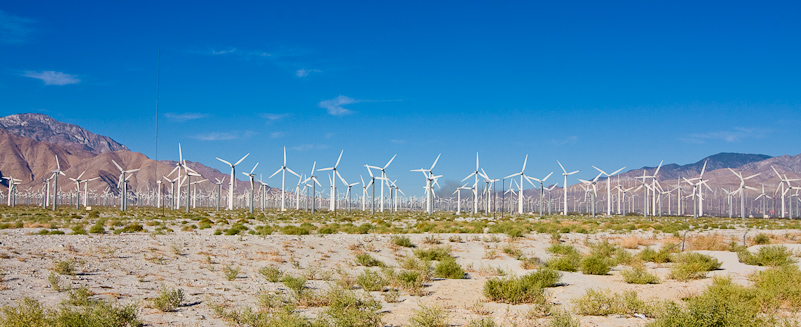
(30, 143)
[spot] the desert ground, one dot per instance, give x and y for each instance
(221, 275)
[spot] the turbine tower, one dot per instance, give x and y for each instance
(232, 182)
(609, 187)
(334, 174)
(523, 176)
(283, 170)
(383, 179)
(742, 189)
(565, 173)
(475, 174)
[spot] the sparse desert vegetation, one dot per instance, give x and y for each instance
(241, 269)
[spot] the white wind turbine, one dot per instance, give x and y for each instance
(122, 184)
(383, 179)
(251, 175)
(523, 176)
(565, 173)
(313, 190)
(593, 184)
(783, 179)
(283, 170)
(334, 175)
(701, 182)
(475, 174)
(542, 191)
(219, 191)
(429, 176)
(742, 189)
(609, 187)
(764, 196)
(458, 193)
(56, 172)
(231, 183)
(78, 182)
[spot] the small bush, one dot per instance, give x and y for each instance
(346, 308)
(31, 313)
(65, 267)
(429, 316)
(564, 263)
(97, 229)
(563, 319)
(638, 275)
(168, 299)
(778, 287)
(563, 249)
(771, 255)
(78, 230)
(663, 256)
(371, 281)
(762, 239)
(364, 259)
(403, 241)
(603, 302)
(486, 322)
(595, 265)
(294, 283)
(524, 289)
(271, 273)
(692, 265)
(230, 272)
(448, 268)
(437, 253)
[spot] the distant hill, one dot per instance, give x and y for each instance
(44, 128)
(716, 161)
(30, 143)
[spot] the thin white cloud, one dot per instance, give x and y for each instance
(731, 136)
(398, 141)
(223, 52)
(306, 147)
(184, 117)
(14, 29)
(303, 72)
(50, 77)
(568, 140)
(223, 136)
(275, 135)
(274, 117)
(335, 107)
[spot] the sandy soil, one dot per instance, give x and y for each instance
(131, 267)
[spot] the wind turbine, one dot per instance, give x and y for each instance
(764, 196)
(429, 176)
(122, 184)
(349, 199)
(314, 181)
(219, 191)
(56, 172)
(542, 192)
(251, 175)
(458, 193)
(475, 174)
(565, 173)
(334, 175)
(383, 179)
(523, 176)
(78, 182)
(594, 189)
(701, 181)
(609, 187)
(742, 189)
(783, 179)
(231, 183)
(283, 170)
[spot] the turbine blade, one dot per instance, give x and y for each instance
(390, 161)
(254, 168)
(225, 162)
(276, 172)
(240, 160)
(563, 167)
(340, 158)
(435, 162)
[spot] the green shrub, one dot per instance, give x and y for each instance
(692, 265)
(603, 302)
(78, 230)
(429, 316)
(29, 312)
(97, 228)
(407, 280)
(403, 241)
(437, 253)
(168, 299)
(64, 267)
(271, 273)
(663, 256)
(595, 265)
(294, 283)
(778, 287)
(563, 249)
(364, 259)
(448, 268)
(762, 239)
(564, 263)
(638, 275)
(371, 281)
(131, 228)
(346, 308)
(771, 255)
(524, 289)
(563, 319)
(230, 272)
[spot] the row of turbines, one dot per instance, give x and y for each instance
(620, 199)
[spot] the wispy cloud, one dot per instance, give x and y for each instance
(273, 117)
(50, 77)
(568, 140)
(306, 147)
(224, 136)
(731, 136)
(303, 72)
(398, 141)
(184, 117)
(223, 52)
(335, 106)
(14, 29)
(275, 135)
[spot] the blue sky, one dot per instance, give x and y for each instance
(608, 84)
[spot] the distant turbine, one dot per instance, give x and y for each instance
(475, 174)
(231, 183)
(565, 173)
(523, 176)
(56, 172)
(334, 175)
(542, 192)
(283, 170)
(742, 188)
(383, 179)
(609, 188)
(251, 175)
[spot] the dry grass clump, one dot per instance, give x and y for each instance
(604, 302)
(168, 299)
(639, 275)
(91, 313)
(712, 242)
(429, 316)
(634, 242)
